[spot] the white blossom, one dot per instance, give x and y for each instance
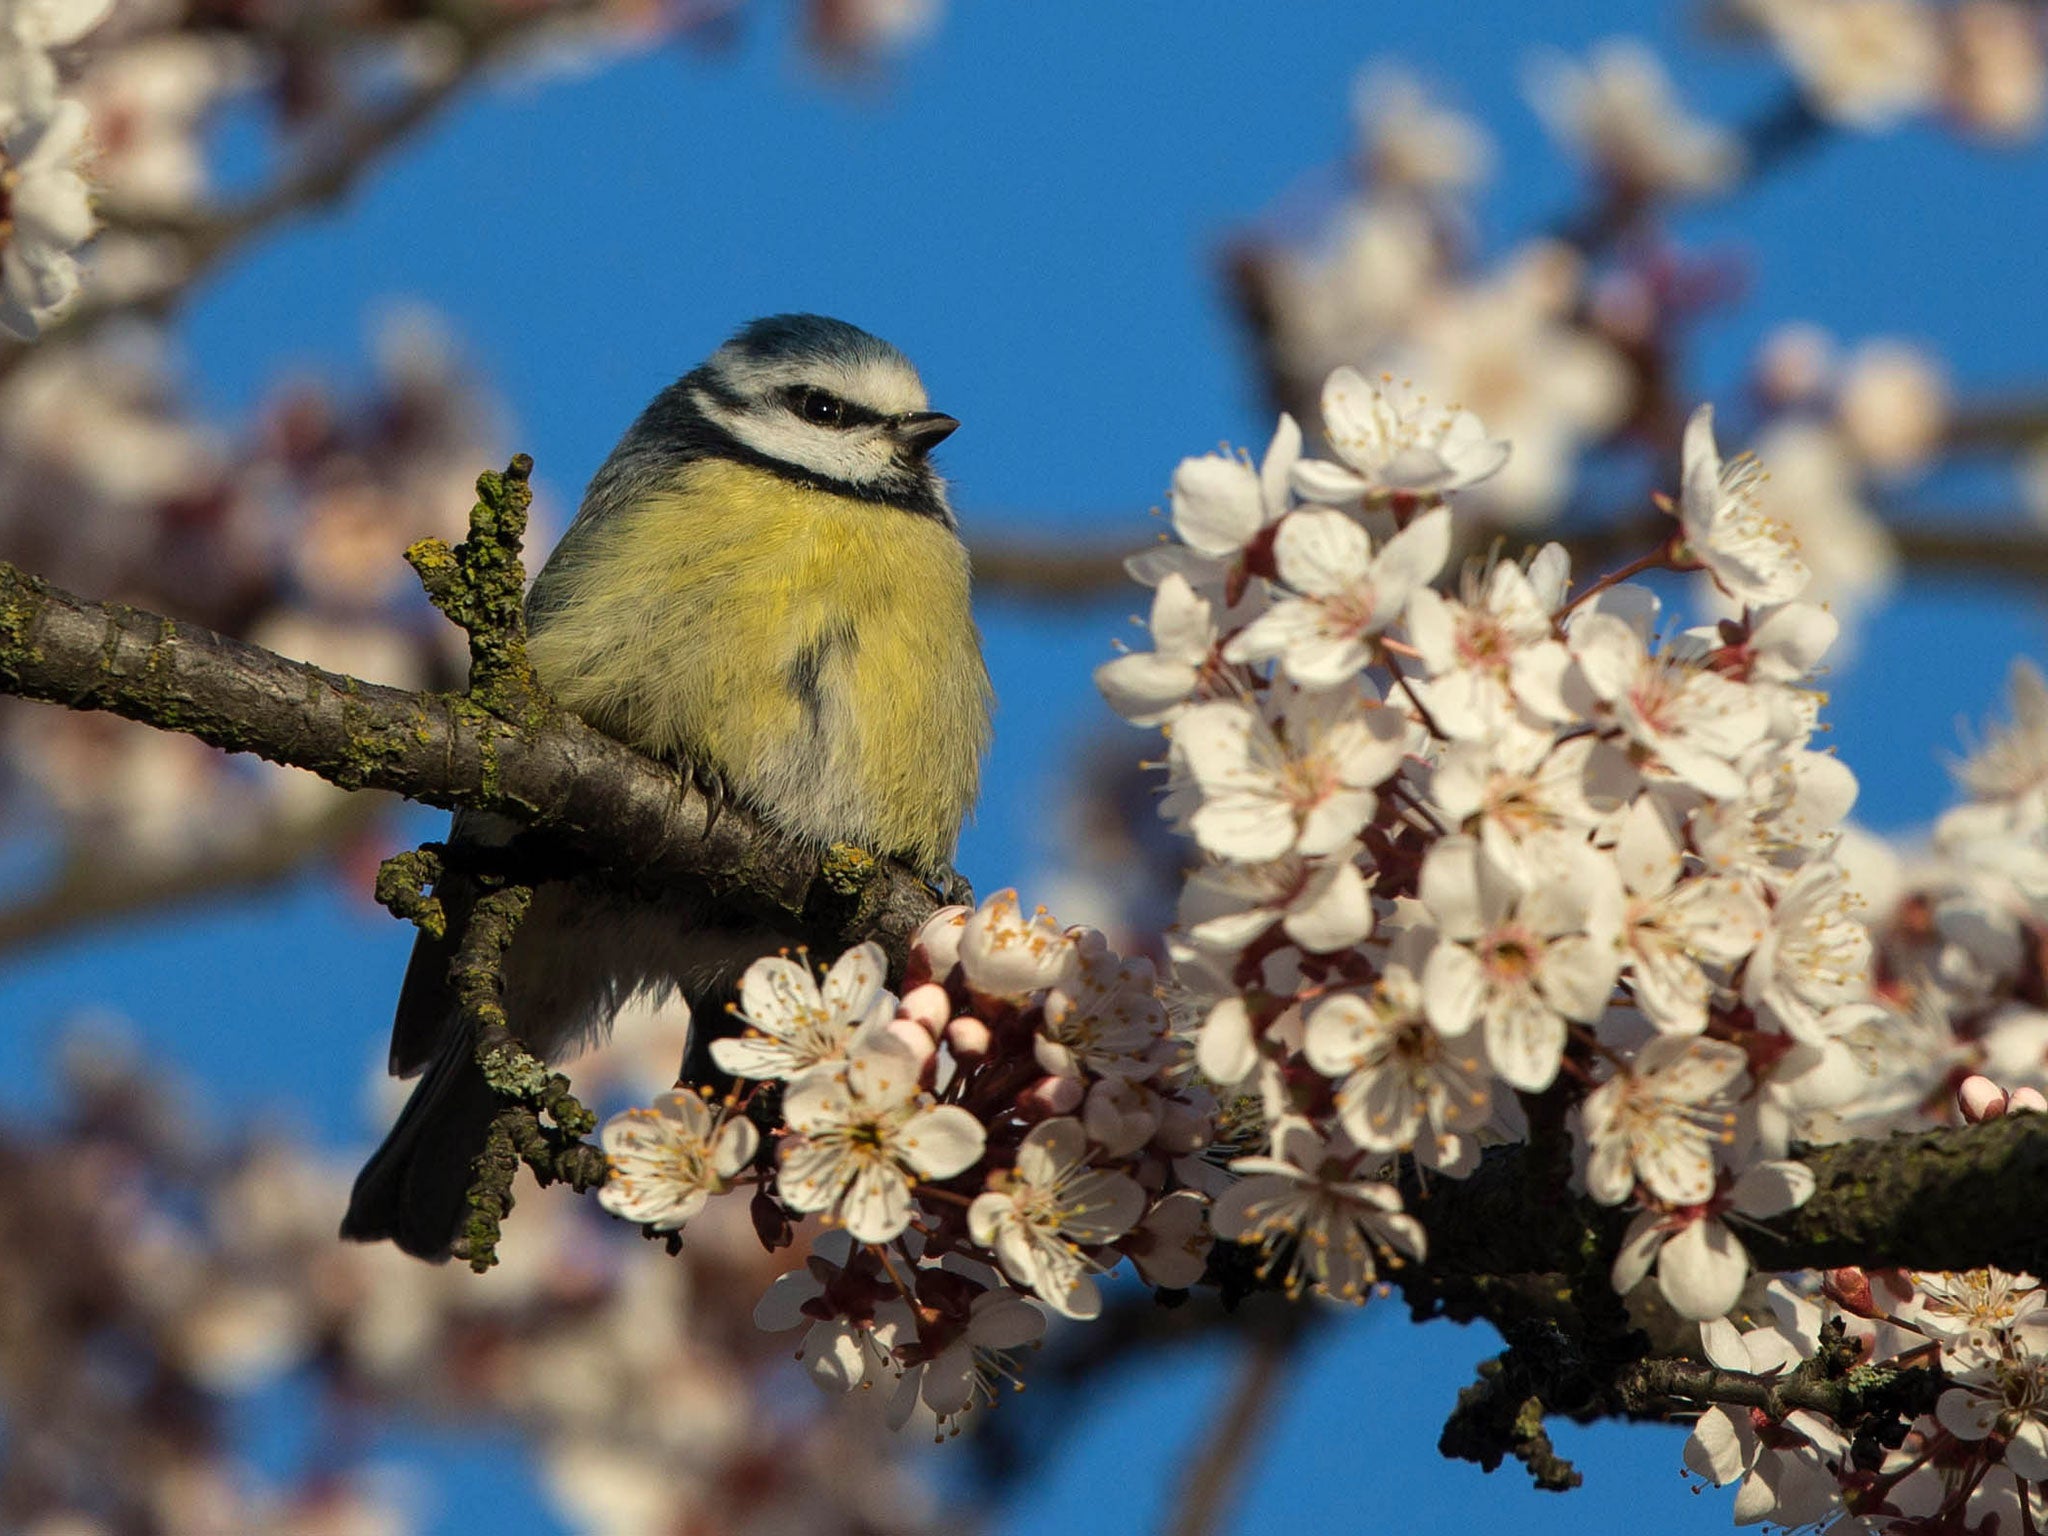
(1519, 962)
(1306, 1206)
(2008, 1397)
(47, 216)
(1341, 594)
(1170, 1246)
(1323, 905)
(1752, 557)
(1788, 1478)
(1651, 1124)
(2012, 764)
(1400, 1084)
(793, 1025)
(1151, 687)
(1407, 141)
(1492, 658)
(1675, 923)
(1302, 782)
(669, 1160)
(1892, 405)
(860, 1136)
(1620, 111)
(1693, 724)
(1814, 958)
(1521, 791)
(1040, 1217)
(1391, 440)
(839, 1352)
(1700, 1262)
(1007, 954)
(974, 1363)
(1220, 503)
(1863, 63)
(29, 29)
(1104, 1018)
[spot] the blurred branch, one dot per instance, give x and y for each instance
(343, 153)
(93, 891)
(2019, 421)
(1975, 545)
(1217, 1467)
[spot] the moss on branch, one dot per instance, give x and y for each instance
(480, 585)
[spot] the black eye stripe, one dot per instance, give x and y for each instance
(822, 408)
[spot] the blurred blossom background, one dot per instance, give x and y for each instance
(280, 279)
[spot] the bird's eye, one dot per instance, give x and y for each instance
(820, 407)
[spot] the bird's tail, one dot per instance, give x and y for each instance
(415, 1188)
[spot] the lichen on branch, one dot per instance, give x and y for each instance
(480, 585)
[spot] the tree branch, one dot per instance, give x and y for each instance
(1940, 1200)
(90, 892)
(1244, 1418)
(629, 817)
(344, 152)
(1980, 546)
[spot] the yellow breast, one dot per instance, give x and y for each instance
(816, 651)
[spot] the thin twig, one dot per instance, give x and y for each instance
(96, 890)
(346, 153)
(1217, 1467)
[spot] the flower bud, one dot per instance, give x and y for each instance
(1980, 1099)
(917, 1044)
(1849, 1289)
(1050, 1096)
(969, 1038)
(927, 1005)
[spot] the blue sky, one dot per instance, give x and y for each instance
(1030, 206)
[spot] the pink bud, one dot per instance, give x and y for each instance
(1849, 1288)
(2026, 1101)
(1980, 1099)
(1050, 1096)
(927, 1005)
(969, 1038)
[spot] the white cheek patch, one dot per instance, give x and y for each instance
(856, 456)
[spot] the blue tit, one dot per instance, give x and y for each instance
(765, 586)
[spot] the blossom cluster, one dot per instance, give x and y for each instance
(1465, 849)
(1567, 343)
(977, 1151)
(44, 210)
(1478, 840)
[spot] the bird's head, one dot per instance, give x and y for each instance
(825, 401)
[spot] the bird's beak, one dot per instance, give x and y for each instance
(922, 431)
